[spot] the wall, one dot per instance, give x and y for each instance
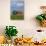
(26, 26)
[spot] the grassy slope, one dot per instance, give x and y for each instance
(17, 17)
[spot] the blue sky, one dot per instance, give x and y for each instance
(17, 5)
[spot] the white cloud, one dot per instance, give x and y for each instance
(19, 4)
